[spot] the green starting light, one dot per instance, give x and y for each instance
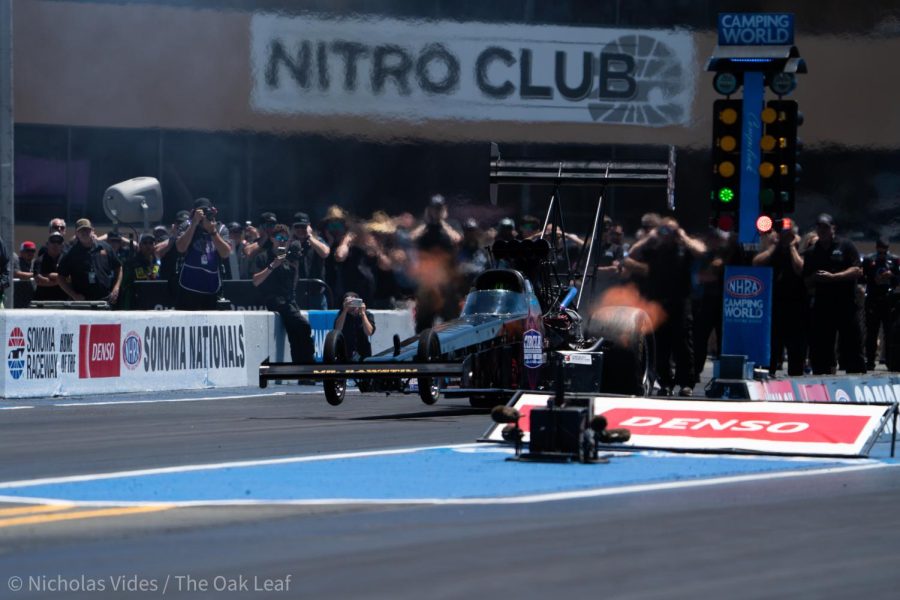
(726, 195)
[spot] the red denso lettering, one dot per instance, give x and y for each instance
(695, 424)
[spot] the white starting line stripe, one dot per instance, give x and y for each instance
(164, 400)
(226, 465)
(169, 400)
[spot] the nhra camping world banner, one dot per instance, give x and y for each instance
(747, 313)
(419, 70)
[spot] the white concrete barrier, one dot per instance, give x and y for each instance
(74, 353)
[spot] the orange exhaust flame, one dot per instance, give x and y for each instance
(436, 275)
(628, 295)
(432, 270)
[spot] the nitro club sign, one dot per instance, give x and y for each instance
(415, 71)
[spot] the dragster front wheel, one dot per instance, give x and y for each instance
(334, 351)
(429, 350)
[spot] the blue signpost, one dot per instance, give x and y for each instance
(750, 136)
(751, 46)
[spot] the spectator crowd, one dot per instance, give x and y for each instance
(830, 305)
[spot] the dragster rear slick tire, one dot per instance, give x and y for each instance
(429, 350)
(628, 355)
(334, 351)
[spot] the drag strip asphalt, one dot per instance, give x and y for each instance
(384, 497)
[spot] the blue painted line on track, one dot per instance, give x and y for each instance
(445, 473)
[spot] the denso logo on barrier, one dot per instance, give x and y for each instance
(758, 426)
(771, 426)
(98, 354)
(744, 286)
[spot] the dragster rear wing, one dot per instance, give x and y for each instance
(582, 173)
(364, 370)
(559, 173)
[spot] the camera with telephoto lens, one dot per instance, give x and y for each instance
(294, 252)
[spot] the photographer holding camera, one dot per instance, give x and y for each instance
(357, 324)
(436, 271)
(663, 263)
(203, 244)
(312, 263)
(276, 278)
(790, 302)
(882, 274)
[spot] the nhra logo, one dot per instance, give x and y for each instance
(744, 286)
(132, 350)
(98, 354)
(16, 356)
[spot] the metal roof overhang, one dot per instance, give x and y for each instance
(752, 58)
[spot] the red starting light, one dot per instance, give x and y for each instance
(764, 224)
(726, 223)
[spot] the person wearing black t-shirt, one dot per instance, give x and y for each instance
(662, 261)
(790, 303)
(882, 272)
(357, 324)
(436, 271)
(46, 266)
(831, 268)
(90, 270)
(276, 278)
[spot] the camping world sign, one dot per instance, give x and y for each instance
(421, 70)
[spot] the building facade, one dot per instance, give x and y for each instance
(288, 106)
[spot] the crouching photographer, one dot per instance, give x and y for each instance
(357, 324)
(276, 279)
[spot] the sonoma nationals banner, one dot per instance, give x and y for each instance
(420, 70)
(753, 426)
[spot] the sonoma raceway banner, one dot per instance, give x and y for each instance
(766, 427)
(85, 352)
(74, 352)
(419, 70)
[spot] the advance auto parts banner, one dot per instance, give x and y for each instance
(81, 352)
(414, 70)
